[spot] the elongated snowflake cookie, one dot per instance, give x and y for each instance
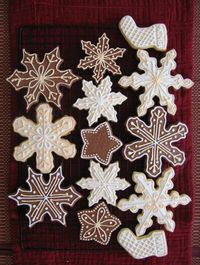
(103, 183)
(42, 77)
(155, 141)
(154, 201)
(99, 143)
(97, 224)
(154, 36)
(46, 198)
(99, 101)
(44, 137)
(153, 244)
(101, 57)
(156, 81)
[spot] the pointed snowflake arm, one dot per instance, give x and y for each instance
(83, 104)
(111, 66)
(168, 61)
(67, 123)
(115, 52)
(116, 98)
(110, 113)
(87, 62)
(67, 77)
(99, 71)
(93, 115)
(19, 79)
(87, 183)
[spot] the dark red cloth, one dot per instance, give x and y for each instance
(39, 26)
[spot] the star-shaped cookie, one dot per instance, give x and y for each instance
(99, 143)
(101, 57)
(97, 224)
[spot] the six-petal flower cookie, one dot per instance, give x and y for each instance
(156, 81)
(101, 57)
(43, 77)
(154, 201)
(99, 143)
(155, 141)
(99, 101)
(103, 183)
(44, 137)
(46, 198)
(97, 224)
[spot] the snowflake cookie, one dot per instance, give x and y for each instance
(153, 244)
(155, 141)
(99, 101)
(44, 137)
(99, 143)
(97, 224)
(103, 183)
(156, 81)
(101, 57)
(46, 197)
(42, 77)
(154, 36)
(154, 201)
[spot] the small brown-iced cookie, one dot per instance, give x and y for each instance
(97, 224)
(101, 57)
(99, 143)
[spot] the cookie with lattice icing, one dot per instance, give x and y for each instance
(42, 77)
(97, 224)
(153, 244)
(154, 36)
(46, 197)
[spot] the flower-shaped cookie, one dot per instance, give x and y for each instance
(44, 137)
(98, 224)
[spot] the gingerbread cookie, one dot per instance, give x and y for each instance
(101, 57)
(98, 224)
(154, 201)
(155, 141)
(154, 36)
(99, 101)
(99, 143)
(46, 198)
(153, 244)
(156, 81)
(42, 77)
(103, 183)
(44, 137)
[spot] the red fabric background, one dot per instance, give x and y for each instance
(49, 243)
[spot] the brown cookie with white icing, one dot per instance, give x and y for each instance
(99, 143)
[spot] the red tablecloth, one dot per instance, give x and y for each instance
(39, 26)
